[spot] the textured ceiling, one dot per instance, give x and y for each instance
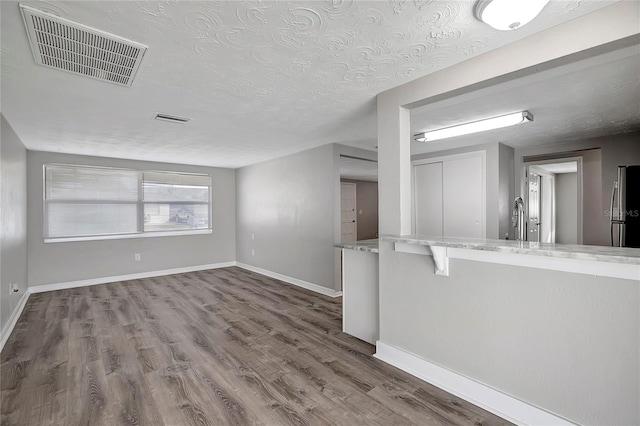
(260, 79)
(594, 97)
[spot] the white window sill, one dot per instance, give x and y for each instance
(126, 236)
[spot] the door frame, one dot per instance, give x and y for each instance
(355, 210)
(541, 192)
(441, 159)
(524, 183)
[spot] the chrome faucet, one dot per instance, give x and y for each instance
(517, 219)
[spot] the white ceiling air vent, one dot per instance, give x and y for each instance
(69, 46)
(172, 118)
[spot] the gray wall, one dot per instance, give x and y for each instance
(499, 165)
(506, 190)
(71, 261)
(601, 156)
(567, 208)
(287, 204)
(292, 207)
(569, 343)
(13, 236)
(367, 202)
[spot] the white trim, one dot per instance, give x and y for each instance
(137, 276)
(488, 398)
(295, 281)
(13, 319)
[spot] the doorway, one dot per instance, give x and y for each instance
(553, 191)
(348, 217)
(358, 199)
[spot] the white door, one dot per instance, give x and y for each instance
(463, 195)
(348, 212)
(428, 199)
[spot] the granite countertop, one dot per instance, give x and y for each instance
(568, 251)
(364, 245)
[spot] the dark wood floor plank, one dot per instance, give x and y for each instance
(218, 347)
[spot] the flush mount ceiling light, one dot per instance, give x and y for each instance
(476, 126)
(507, 15)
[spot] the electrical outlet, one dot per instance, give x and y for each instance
(137, 257)
(13, 288)
(253, 252)
(253, 236)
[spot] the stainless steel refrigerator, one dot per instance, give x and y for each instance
(625, 208)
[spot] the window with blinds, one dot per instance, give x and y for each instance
(175, 201)
(85, 202)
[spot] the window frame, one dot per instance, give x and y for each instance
(139, 203)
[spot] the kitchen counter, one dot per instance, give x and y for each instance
(614, 262)
(363, 245)
(566, 251)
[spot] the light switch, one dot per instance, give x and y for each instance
(359, 211)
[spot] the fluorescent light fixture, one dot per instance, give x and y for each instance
(508, 15)
(476, 126)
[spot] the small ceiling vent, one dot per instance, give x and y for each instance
(172, 118)
(69, 46)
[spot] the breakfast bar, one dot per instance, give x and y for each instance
(615, 262)
(550, 324)
(544, 332)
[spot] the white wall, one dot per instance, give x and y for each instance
(567, 208)
(63, 262)
(13, 205)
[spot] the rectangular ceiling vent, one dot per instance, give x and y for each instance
(172, 118)
(69, 46)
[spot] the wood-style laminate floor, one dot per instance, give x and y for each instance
(216, 347)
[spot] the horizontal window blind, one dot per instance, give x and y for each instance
(75, 220)
(174, 201)
(63, 182)
(86, 201)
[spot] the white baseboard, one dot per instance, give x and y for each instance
(13, 319)
(503, 405)
(116, 278)
(295, 281)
